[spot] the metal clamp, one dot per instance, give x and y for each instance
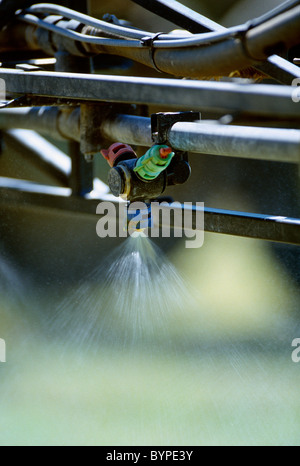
(161, 124)
(179, 170)
(149, 42)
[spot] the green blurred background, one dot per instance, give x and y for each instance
(111, 344)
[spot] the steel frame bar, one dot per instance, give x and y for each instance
(180, 15)
(269, 144)
(261, 100)
(255, 143)
(41, 153)
(248, 225)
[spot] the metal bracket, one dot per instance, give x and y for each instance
(161, 124)
(149, 42)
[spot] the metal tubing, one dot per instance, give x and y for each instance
(280, 69)
(35, 119)
(82, 173)
(128, 129)
(8, 9)
(261, 100)
(59, 123)
(247, 225)
(270, 144)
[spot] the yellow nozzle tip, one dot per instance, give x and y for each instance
(137, 233)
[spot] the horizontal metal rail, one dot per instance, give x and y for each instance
(270, 144)
(259, 99)
(249, 225)
(256, 143)
(25, 195)
(51, 121)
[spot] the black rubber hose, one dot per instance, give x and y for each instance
(218, 59)
(252, 47)
(8, 9)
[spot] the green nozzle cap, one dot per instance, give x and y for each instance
(154, 162)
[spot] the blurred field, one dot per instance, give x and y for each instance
(117, 400)
(222, 376)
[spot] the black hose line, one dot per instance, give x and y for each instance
(8, 9)
(238, 50)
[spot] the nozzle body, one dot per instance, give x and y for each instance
(125, 182)
(138, 179)
(154, 162)
(117, 153)
(146, 178)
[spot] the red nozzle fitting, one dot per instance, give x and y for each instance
(117, 153)
(165, 151)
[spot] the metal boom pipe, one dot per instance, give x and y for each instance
(261, 100)
(270, 144)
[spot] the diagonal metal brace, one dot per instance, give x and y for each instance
(276, 67)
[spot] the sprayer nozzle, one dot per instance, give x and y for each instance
(138, 179)
(154, 162)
